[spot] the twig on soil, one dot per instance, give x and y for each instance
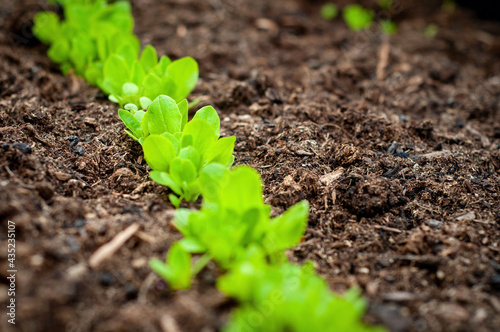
(383, 58)
(388, 229)
(145, 286)
(108, 249)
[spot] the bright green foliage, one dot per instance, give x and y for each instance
(177, 268)
(431, 31)
(289, 298)
(329, 11)
(385, 4)
(234, 217)
(388, 27)
(357, 17)
(96, 41)
(127, 78)
(90, 32)
(180, 153)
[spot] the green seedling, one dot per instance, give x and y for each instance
(178, 151)
(287, 297)
(388, 27)
(128, 79)
(329, 11)
(357, 17)
(385, 4)
(234, 218)
(431, 31)
(89, 28)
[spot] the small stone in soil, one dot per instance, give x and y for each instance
(393, 148)
(23, 147)
(79, 150)
(106, 279)
(79, 223)
(73, 140)
(402, 155)
(131, 291)
(495, 282)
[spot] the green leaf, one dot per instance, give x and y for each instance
(199, 134)
(192, 246)
(183, 108)
(177, 269)
(211, 177)
(149, 58)
(190, 153)
(130, 89)
(209, 114)
(231, 194)
(131, 107)
(175, 142)
(286, 230)
(222, 151)
(145, 102)
(161, 68)
(47, 27)
(158, 152)
(131, 122)
(184, 72)
(164, 179)
(59, 51)
(164, 116)
(183, 171)
(357, 17)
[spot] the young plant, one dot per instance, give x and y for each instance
(178, 151)
(289, 298)
(357, 17)
(128, 79)
(388, 27)
(329, 11)
(90, 30)
(234, 218)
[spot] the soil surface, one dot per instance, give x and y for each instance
(395, 142)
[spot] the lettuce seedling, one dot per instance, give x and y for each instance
(287, 297)
(128, 79)
(176, 270)
(329, 11)
(178, 151)
(234, 217)
(88, 28)
(357, 17)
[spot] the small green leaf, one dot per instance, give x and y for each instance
(130, 89)
(191, 154)
(222, 151)
(131, 107)
(286, 230)
(149, 58)
(183, 108)
(199, 134)
(231, 194)
(158, 152)
(192, 246)
(131, 122)
(177, 269)
(209, 114)
(145, 102)
(357, 17)
(211, 179)
(184, 72)
(164, 116)
(183, 171)
(164, 179)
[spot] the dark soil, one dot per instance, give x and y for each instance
(401, 165)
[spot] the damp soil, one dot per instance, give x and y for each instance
(395, 142)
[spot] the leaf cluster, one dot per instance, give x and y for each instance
(95, 40)
(178, 151)
(288, 297)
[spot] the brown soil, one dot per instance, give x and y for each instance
(401, 165)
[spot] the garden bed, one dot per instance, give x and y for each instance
(400, 163)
